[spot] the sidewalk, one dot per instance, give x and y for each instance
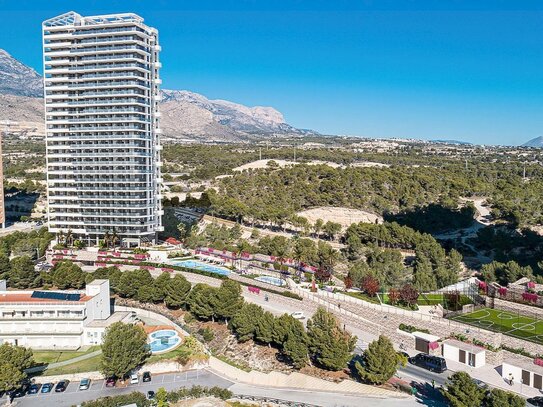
(492, 376)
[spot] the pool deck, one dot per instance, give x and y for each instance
(149, 329)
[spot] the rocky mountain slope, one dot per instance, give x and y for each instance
(535, 142)
(18, 79)
(186, 116)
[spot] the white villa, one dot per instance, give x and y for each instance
(57, 319)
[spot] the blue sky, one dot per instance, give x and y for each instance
(465, 70)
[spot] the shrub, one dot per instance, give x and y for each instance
(411, 329)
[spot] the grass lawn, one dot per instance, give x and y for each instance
(508, 323)
(362, 296)
(434, 299)
(87, 365)
(48, 357)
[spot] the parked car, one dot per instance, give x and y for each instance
(110, 382)
(150, 395)
(146, 377)
(298, 315)
(47, 387)
(61, 386)
(429, 362)
(134, 379)
(536, 401)
(84, 384)
(34, 388)
(21, 391)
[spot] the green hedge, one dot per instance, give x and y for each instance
(411, 329)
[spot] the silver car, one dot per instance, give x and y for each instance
(84, 384)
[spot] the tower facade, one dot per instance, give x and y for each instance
(101, 91)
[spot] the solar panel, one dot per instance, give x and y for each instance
(53, 295)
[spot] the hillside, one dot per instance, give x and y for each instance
(535, 142)
(186, 116)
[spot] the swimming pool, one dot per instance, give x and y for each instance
(164, 340)
(271, 280)
(193, 264)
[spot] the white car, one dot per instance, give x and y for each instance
(134, 379)
(298, 315)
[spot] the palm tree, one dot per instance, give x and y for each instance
(69, 238)
(107, 239)
(114, 238)
(60, 237)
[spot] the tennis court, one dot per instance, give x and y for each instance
(508, 323)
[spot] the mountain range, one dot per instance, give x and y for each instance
(186, 116)
(535, 142)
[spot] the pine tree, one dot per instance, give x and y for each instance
(160, 286)
(245, 321)
(295, 348)
(461, 391)
(176, 291)
(424, 275)
(264, 328)
(201, 301)
(229, 299)
(124, 348)
(380, 361)
(501, 398)
(329, 345)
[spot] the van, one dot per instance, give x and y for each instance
(429, 362)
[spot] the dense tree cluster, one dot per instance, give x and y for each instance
(461, 391)
(377, 249)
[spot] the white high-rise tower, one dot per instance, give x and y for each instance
(101, 91)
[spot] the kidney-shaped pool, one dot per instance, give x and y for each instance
(164, 340)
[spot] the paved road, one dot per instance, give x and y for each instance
(73, 396)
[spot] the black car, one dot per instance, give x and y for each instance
(34, 388)
(61, 386)
(146, 377)
(20, 392)
(536, 401)
(150, 395)
(429, 362)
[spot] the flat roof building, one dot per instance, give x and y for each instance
(101, 91)
(42, 319)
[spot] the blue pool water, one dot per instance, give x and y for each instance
(271, 280)
(193, 264)
(163, 340)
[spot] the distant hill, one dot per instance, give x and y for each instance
(452, 142)
(535, 142)
(186, 116)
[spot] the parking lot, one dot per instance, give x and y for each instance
(74, 396)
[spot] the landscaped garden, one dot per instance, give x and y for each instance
(508, 323)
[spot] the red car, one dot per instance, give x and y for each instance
(110, 382)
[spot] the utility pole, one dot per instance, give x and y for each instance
(260, 153)
(466, 164)
(294, 153)
(524, 171)
(2, 208)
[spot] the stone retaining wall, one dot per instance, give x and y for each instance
(515, 307)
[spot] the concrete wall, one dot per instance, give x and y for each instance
(453, 353)
(98, 307)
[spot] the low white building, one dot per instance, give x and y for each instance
(523, 371)
(42, 319)
(466, 353)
